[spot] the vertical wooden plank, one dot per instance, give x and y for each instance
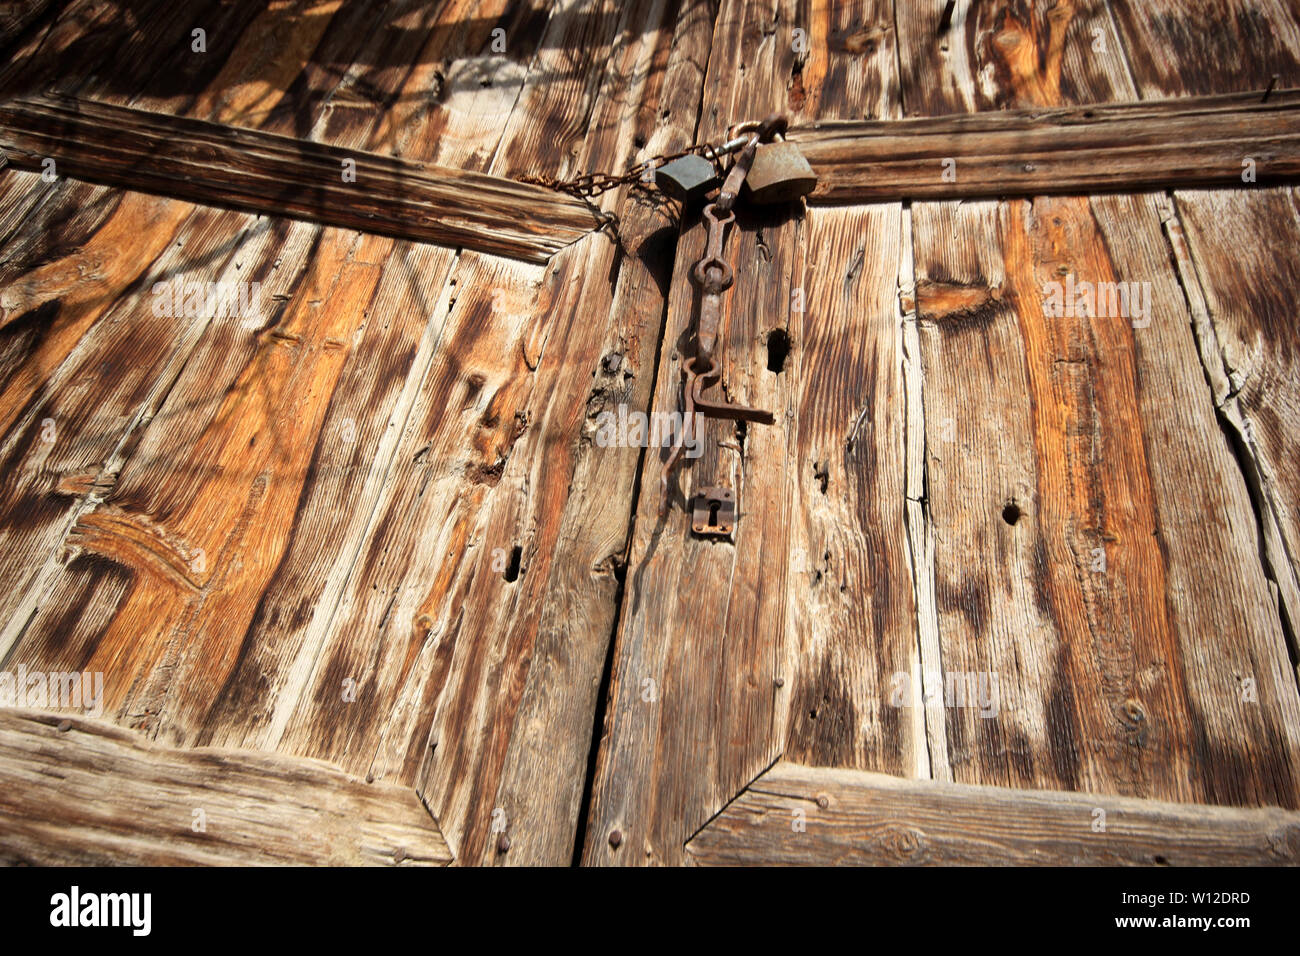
(1006, 54)
(1179, 48)
(851, 614)
(1051, 451)
(1242, 693)
(703, 674)
(1106, 684)
(1244, 243)
(1232, 252)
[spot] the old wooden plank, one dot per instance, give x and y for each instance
(189, 431)
(255, 654)
(1244, 245)
(1109, 147)
(1073, 568)
(920, 530)
(1070, 561)
(1177, 48)
(804, 816)
(271, 174)
(459, 695)
(75, 264)
(851, 613)
(114, 799)
(708, 667)
(1002, 54)
(1245, 351)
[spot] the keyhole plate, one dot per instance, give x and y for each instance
(714, 512)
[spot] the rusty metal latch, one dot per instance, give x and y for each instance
(775, 171)
(784, 180)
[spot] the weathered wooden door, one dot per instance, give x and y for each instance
(1000, 569)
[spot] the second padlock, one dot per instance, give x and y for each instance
(780, 174)
(688, 178)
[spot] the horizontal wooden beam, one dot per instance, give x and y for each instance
(281, 176)
(79, 791)
(1125, 147)
(815, 816)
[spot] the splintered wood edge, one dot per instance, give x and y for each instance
(77, 791)
(797, 815)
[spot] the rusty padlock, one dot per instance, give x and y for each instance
(687, 178)
(780, 173)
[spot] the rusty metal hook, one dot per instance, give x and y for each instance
(715, 275)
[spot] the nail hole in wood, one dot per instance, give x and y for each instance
(1011, 513)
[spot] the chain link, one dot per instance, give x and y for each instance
(593, 184)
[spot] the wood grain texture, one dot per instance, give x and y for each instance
(1175, 48)
(1007, 54)
(373, 525)
(1098, 148)
(719, 659)
(1232, 251)
(74, 275)
(277, 175)
(234, 358)
(80, 792)
(851, 617)
(1053, 442)
(802, 816)
(1244, 247)
(468, 385)
(252, 455)
(76, 387)
(1074, 562)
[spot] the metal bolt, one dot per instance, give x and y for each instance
(399, 854)
(823, 802)
(65, 726)
(503, 843)
(780, 682)
(616, 838)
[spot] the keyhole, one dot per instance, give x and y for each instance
(713, 513)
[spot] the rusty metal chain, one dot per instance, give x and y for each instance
(593, 184)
